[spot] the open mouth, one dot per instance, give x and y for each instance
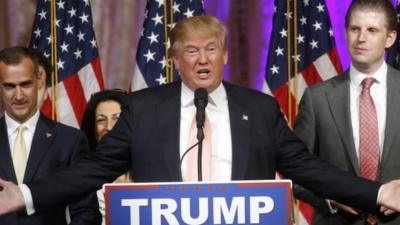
(203, 72)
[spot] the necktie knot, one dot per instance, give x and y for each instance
(367, 83)
(21, 129)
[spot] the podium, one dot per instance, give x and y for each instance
(266, 202)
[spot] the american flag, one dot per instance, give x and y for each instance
(393, 56)
(79, 71)
(152, 62)
(316, 56)
(302, 52)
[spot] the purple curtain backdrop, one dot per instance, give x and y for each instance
(259, 21)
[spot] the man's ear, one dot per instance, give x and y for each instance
(391, 38)
(226, 57)
(175, 61)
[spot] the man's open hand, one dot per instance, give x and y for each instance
(11, 198)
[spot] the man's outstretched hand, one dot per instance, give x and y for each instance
(389, 197)
(11, 198)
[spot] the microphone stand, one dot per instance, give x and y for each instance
(200, 137)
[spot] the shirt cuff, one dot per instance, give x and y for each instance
(379, 193)
(26, 193)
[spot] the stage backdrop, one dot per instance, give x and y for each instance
(118, 24)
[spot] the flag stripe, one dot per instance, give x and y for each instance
(138, 81)
(324, 67)
(301, 85)
(281, 95)
(86, 80)
(66, 114)
(76, 94)
(334, 56)
(96, 66)
(311, 74)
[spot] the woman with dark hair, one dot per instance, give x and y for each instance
(100, 116)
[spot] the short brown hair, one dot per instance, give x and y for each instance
(199, 25)
(44, 62)
(376, 5)
(14, 56)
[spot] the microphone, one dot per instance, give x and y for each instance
(200, 101)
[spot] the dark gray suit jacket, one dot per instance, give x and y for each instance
(54, 147)
(146, 140)
(324, 124)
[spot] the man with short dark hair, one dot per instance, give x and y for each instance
(32, 146)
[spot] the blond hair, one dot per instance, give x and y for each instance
(197, 25)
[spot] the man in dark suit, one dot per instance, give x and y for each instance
(330, 114)
(46, 146)
(249, 138)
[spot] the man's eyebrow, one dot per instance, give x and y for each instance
(27, 82)
(23, 83)
(6, 84)
(190, 46)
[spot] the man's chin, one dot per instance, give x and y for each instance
(20, 116)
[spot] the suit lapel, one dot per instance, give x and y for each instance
(168, 117)
(42, 138)
(240, 120)
(339, 102)
(6, 165)
(392, 110)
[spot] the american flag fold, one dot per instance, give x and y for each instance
(78, 63)
(153, 66)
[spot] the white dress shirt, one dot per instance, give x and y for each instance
(378, 93)
(221, 141)
(12, 132)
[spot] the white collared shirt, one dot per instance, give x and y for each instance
(378, 92)
(12, 130)
(221, 141)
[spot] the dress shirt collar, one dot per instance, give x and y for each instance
(356, 77)
(216, 98)
(13, 125)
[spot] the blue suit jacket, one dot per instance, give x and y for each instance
(54, 147)
(146, 140)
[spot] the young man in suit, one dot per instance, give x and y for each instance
(338, 126)
(249, 138)
(32, 146)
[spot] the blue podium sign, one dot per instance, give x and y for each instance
(243, 202)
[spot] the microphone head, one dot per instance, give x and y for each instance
(200, 97)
